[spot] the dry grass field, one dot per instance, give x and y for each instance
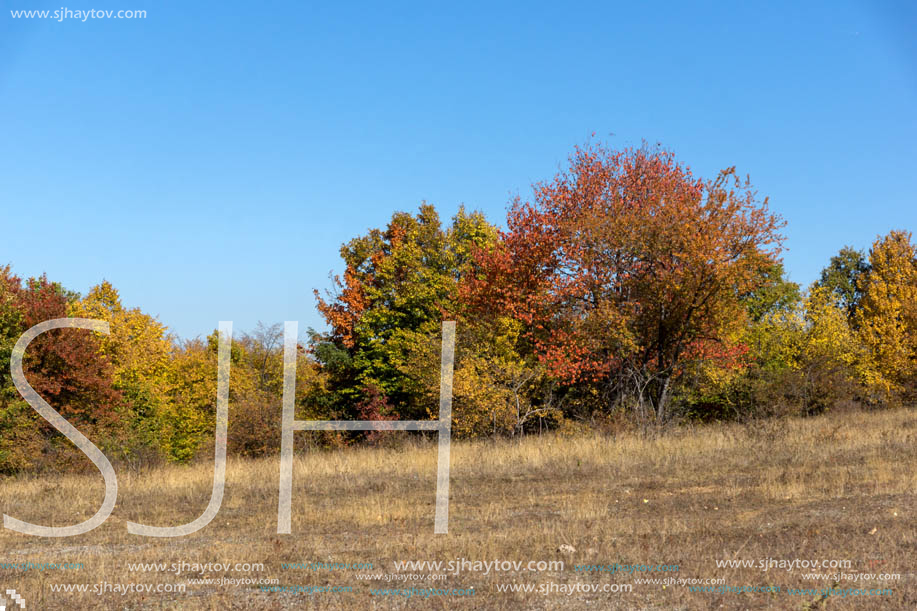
(838, 487)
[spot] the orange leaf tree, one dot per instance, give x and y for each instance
(625, 267)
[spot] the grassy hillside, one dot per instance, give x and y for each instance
(835, 487)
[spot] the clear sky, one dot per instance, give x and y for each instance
(210, 159)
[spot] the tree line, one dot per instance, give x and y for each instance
(625, 291)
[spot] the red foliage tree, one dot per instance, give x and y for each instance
(625, 266)
(64, 366)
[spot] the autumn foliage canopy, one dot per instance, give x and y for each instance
(626, 266)
(625, 291)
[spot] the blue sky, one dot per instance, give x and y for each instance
(210, 159)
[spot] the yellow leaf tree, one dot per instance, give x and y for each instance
(141, 352)
(887, 316)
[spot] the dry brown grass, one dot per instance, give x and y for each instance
(835, 486)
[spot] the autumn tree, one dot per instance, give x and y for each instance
(66, 368)
(64, 365)
(625, 267)
(140, 349)
(398, 285)
(887, 314)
